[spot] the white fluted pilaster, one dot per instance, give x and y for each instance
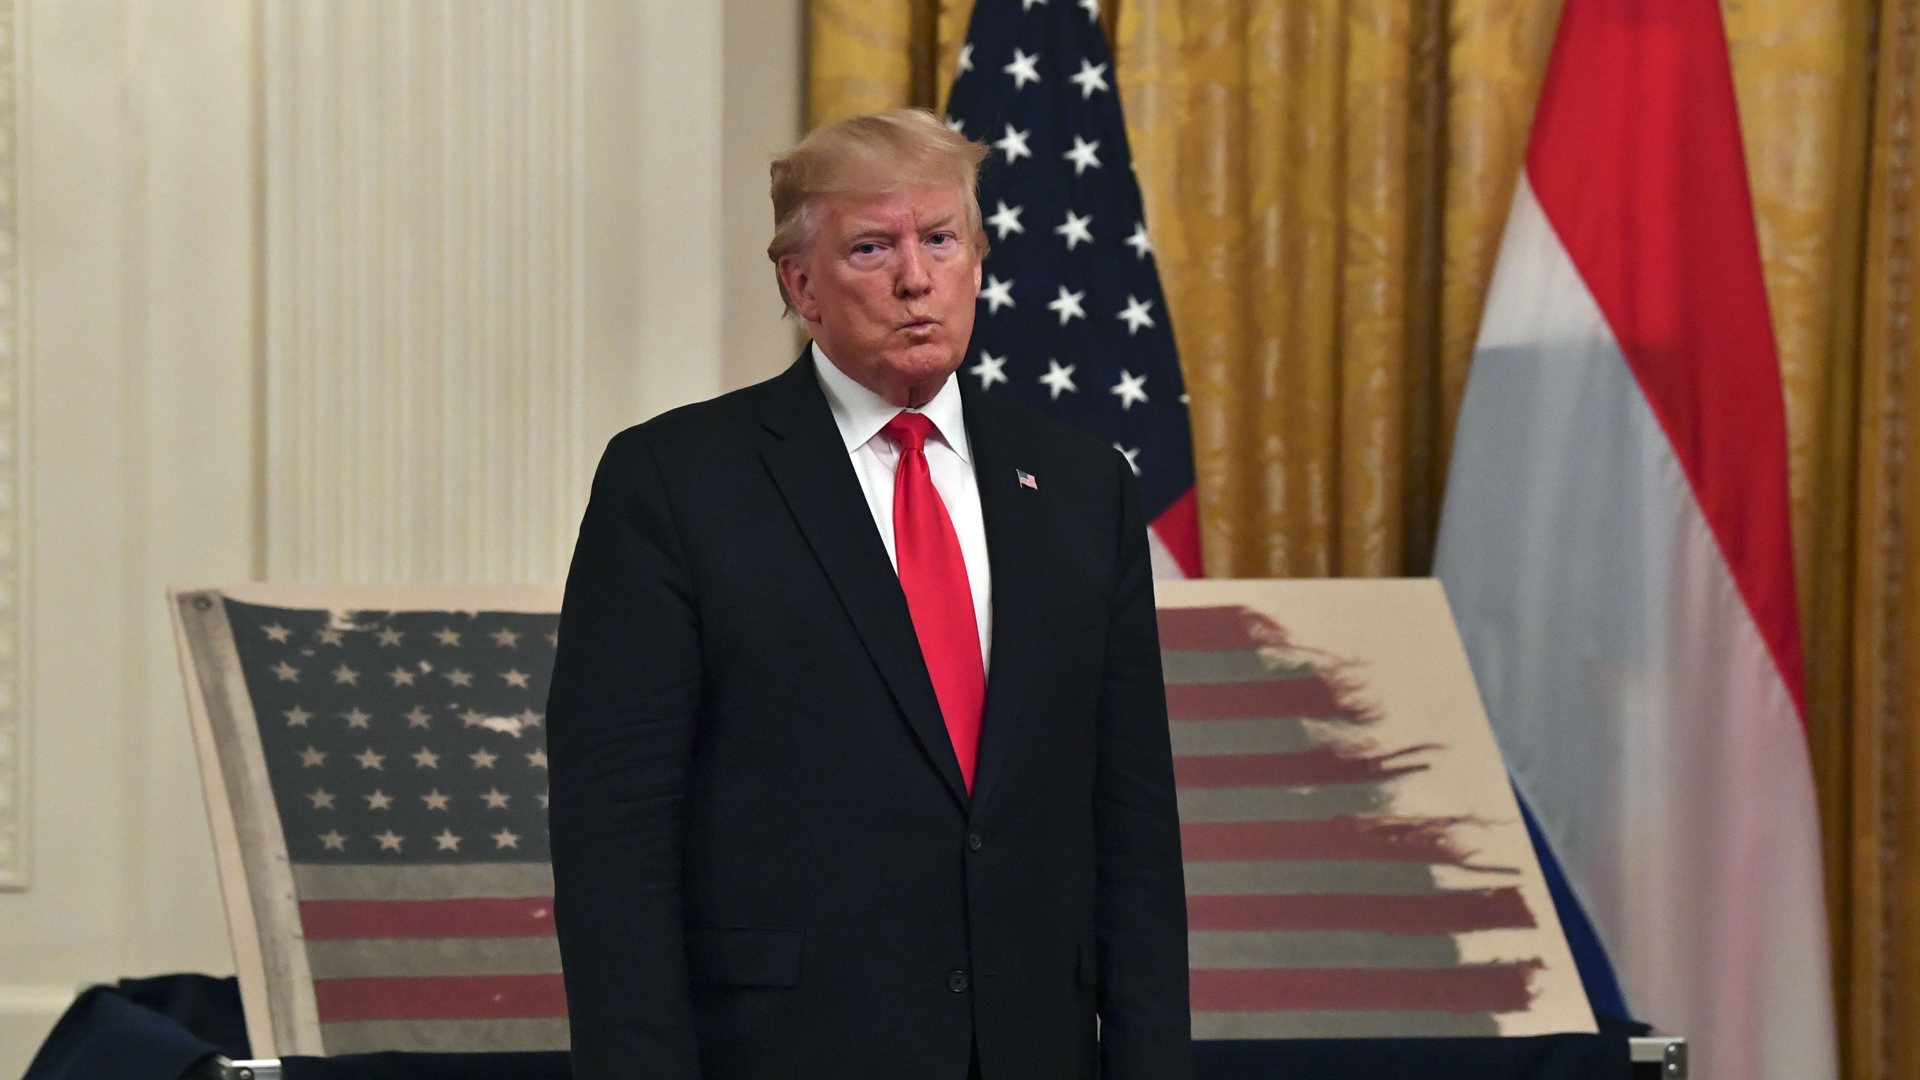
(425, 363)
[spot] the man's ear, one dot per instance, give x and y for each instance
(799, 284)
(976, 277)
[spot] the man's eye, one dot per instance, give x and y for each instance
(940, 238)
(866, 249)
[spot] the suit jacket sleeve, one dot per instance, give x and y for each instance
(1141, 915)
(621, 714)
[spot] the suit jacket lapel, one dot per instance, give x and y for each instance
(1013, 545)
(809, 463)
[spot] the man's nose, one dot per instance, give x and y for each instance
(915, 279)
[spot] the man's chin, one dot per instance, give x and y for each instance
(926, 362)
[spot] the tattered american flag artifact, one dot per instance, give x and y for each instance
(1356, 865)
(374, 764)
(403, 810)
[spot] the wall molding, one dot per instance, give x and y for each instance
(26, 999)
(426, 367)
(13, 741)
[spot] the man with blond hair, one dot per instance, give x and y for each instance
(859, 745)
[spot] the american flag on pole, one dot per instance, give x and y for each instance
(1071, 317)
(406, 757)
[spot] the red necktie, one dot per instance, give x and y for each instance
(934, 576)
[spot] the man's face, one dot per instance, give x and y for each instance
(887, 288)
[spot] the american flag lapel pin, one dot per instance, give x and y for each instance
(1026, 479)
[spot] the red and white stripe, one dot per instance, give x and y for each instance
(433, 958)
(1313, 910)
(1173, 540)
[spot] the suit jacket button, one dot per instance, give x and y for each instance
(974, 842)
(957, 982)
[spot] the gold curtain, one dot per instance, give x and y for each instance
(1870, 523)
(1326, 182)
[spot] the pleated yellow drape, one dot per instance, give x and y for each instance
(1326, 183)
(1874, 523)
(1802, 73)
(864, 57)
(1325, 209)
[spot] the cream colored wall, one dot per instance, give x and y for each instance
(136, 262)
(144, 250)
(764, 46)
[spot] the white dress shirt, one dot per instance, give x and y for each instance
(860, 414)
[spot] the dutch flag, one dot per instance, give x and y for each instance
(1616, 547)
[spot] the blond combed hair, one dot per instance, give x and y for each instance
(872, 154)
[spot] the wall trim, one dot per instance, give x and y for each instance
(26, 999)
(425, 368)
(13, 740)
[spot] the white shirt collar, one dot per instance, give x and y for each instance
(860, 413)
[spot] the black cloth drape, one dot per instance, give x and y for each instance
(164, 1027)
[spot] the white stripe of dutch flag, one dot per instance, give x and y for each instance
(1615, 544)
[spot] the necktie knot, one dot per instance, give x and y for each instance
(909, 429)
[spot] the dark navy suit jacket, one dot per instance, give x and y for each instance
(765, 859)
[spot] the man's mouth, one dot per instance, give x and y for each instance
(919, 325)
